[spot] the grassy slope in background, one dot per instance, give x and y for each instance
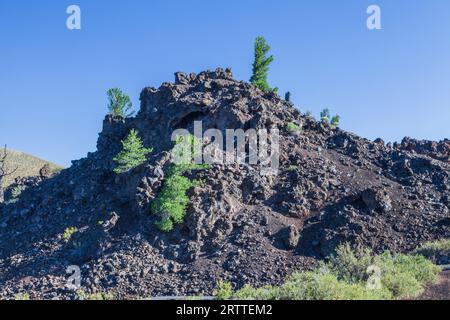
(26, 164)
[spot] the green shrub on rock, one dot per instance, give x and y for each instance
(293, 127)
(403, 275)
(406, 275)
(119, 104)
(22, 297)
(15, 194)
(335, 121)
(69, 232)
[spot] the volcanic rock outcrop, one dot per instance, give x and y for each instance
(241, 226)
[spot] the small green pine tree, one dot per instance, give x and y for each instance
(335, 120)
(133, 153)
(119, 104)
(261, 66)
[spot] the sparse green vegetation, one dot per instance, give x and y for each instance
(315, 285)
(349, 265)
(22, 297)
(56, 170)
(17, 191)
(435, 250)
(326, 118)
(69, 232)
(261, 66)
(335, 121)
(195, 298)
(172, 201)
(406, 276)
(15, 194)
(133, 153)
(185, 150)
(4, 172)
(224, 290)
(288, 96)
(81, 295)
(119, 104)
(403, 275)
(352, 275)
(293, 127)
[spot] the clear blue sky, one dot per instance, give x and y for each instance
(389, 83)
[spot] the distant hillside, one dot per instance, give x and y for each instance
(169, 229)
(26, 164)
